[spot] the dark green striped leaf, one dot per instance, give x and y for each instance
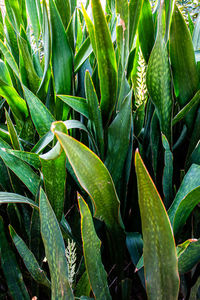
(15, 198)
(92, 255)
(160, 260)
(54, 250)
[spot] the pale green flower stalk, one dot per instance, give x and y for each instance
(70, 253)
(141, 88)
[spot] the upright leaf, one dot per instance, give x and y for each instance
(160, 260)
(29, 259)
(34, 18)
(11, 270)
(54, 172)
(159, 82)
(167, 173)
(54, 250)
(92, 255)
(135, 7)
(107, 66)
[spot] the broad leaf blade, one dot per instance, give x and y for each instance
(135, 7)
(78, 104)
(92, 255)
(160, 260)
(190, 256)
(54, 250)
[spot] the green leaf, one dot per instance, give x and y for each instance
(94, 178)
(167, 173)
(29, 259)
(118, 140)
(12, 39)
(94, 112)
(159, 82)
(16, 103)
(189, 256)
(54, 250)
(107, 66)
(183, 112)
(186, 198)
(41, 116)
(4, 73)
(15, 198)
(82, 55)
(54, 172)
(160, 260)
(30, 158)
(83, 286)
(135, 7)
(13, 134)
(78, 104)
(64, 9)
(10, 268)
(90, 28)
(34, 18)
(61, 53)
(196, 34)
(146, 30)
(22, 170)
(182, 57)
(9, 58)
(92, 255)
(31, 77)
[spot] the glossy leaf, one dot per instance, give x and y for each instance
(77, 103)
(135, 7)
(30, 158)
(107, 66)
(118, 140)
(54, 172)
(183, 63)
(16, 103)
(82, 55)
(183, 112)
(94, 178)
(22, 170)
(41, 116)
(13, 134)
(160, 260)
(159, 82)
(92, 255)
(189, 255)
(15, 198)
(54, 250)
(34, 18)
(64, 10)
(9, 58)
(146, 30)
(186, 198)
(11, 269)
(29, 259)
(90, 28)
(4, 73)
(61, 53)
(196, 34)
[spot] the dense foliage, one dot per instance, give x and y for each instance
(99, 150)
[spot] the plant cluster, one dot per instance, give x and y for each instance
(99, 150)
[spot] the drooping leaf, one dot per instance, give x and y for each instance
(186, 198)
(188, 255)
(29, 259)
(22, 170)
(15, 198)
(107, 66)
(54, 250)
(160, 260)
(10, 268)
(92, 255)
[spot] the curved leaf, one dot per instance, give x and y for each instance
(92, 255)
(186, 198)
(54, 250)
(78, 104)
(15, 198)
(190, 255)
(160, 260)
